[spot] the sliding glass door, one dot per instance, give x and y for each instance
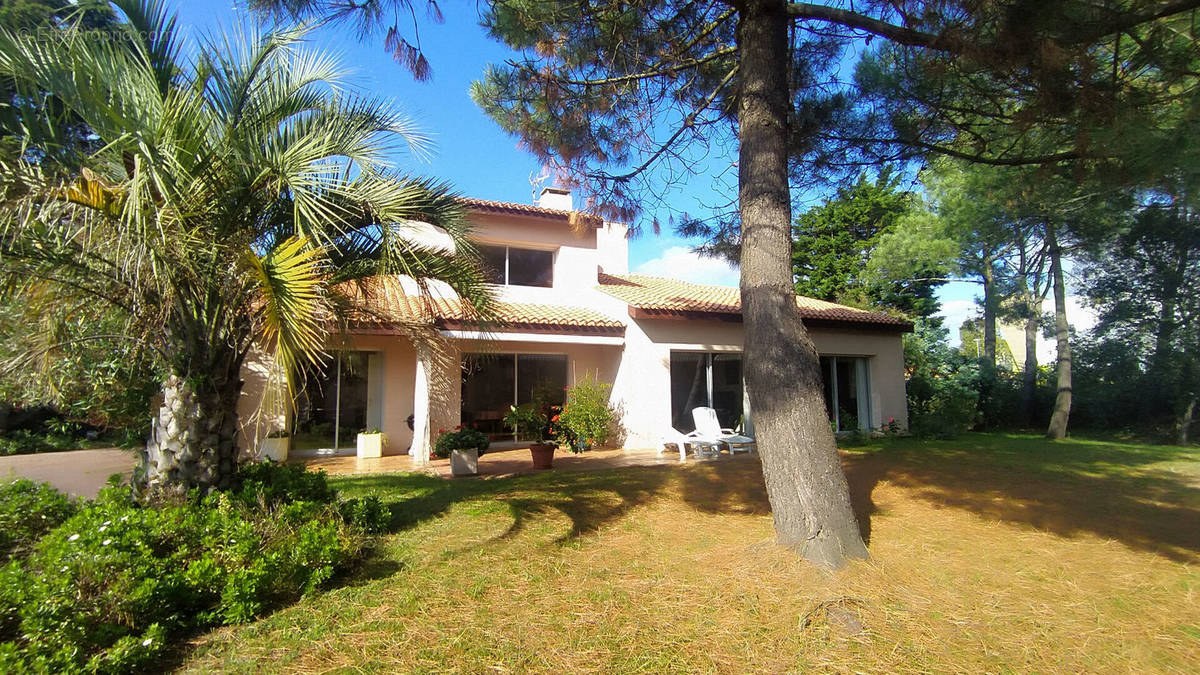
(334, 402)
(491, 383)
(847, 391)
(711, 380)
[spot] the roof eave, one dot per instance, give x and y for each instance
(810, 322)
(529, 211)
(524, 327)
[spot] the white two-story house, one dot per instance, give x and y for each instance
(569, 307)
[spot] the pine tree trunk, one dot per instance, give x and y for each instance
(193, 438)
(1029, 374)
(807, 488)
(1167, 394)
(1062, 402)
(989, 315)
(1185, 424)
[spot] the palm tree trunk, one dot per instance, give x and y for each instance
(807, 488)
(1062, 402)
(193, 438)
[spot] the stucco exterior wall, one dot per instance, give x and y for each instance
(885, 355)
(640, 373)
(262, 405)
(398, 369)
(576, 257)
(643, 382)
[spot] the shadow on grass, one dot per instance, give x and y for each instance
(589, 499)
(1116, 491)
(1113, 490)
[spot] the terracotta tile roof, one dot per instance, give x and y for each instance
(395, 300)
(661, 295)
(518, 316)
(489, 206)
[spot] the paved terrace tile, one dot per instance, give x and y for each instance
(498, 464)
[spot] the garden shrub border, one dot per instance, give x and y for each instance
(106, 585)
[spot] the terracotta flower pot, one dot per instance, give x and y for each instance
(543, 455)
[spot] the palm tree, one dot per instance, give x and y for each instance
(235, 201)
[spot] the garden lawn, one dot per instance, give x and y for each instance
(989, 553)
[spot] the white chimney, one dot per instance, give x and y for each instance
(612, 245)
(555, 198)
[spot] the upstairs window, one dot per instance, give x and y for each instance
(512, 266)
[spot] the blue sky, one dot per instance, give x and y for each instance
(470, 151)
(480, 160)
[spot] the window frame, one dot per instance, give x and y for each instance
(506, 275)
(862, 383)
(708, 366)
(514, 394)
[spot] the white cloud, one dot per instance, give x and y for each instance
(680, 262)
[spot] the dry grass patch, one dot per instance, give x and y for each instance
(991, 554)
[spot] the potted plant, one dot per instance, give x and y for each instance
(370, 443)
(532, 423)
(275, 446)
(463, 447)
(587, 419)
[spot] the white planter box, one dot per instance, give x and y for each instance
(464, 462)
(370, 446)
(274, 448)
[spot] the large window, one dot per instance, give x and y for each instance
(706, 380)
(513, 266)
(847, 391)
(491, 383)
(333, 402)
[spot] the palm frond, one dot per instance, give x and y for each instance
(290, 304)
(154, 27)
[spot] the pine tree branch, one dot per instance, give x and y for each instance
(686, 124)
(1117, 22)
(899, 34)
(646, 74)
(1050, 158)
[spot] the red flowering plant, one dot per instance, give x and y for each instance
(587, 419)
(559, 433)
(530, 421)
(462, 438)
(892, 428)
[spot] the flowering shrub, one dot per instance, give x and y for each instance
(29, 510)
(461, 438)
(108, 588)
(587, 419)
(531, 421)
